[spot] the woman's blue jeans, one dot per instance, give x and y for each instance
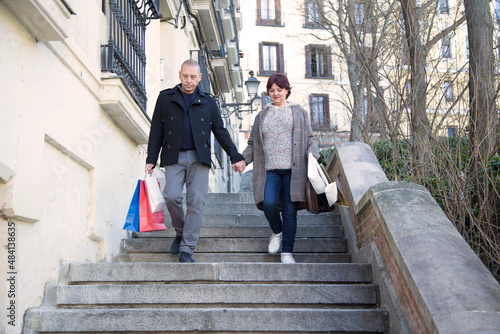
(278, 182)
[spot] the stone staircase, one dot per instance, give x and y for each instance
(234, 286)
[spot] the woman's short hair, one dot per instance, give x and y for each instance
(281, 81)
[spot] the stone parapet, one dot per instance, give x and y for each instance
(439, 283)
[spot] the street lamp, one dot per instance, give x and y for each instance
(252, 88)
(252, 85)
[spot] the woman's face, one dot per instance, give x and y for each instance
(278, 95)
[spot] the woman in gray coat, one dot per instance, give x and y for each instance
(278, 146)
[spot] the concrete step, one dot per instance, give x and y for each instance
(235, 245)
(206, 320)
(228, 203)
(234, 287)
(237, 257)
(222, 295)
(79, 273)
(264, 231)
(244, 197)
(240, 208)
(257, 219)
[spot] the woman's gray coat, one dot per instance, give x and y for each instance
(304, 143)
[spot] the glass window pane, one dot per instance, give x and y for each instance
(443, 6)
(269, 58)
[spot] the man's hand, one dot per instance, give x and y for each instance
(149, 168)
(239, 166)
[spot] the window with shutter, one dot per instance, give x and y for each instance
(320, 113)
(318, 61)
(313, 14)
(271, 58)
(446, 47)
(448, 91)
(269, 12)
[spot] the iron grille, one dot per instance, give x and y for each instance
(125, 53)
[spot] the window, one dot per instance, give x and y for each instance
(265, 99)
(370, 116)
(313, 11)
(405, 50)
(320, 114)
(359, 13)
(452, 131)
(497, 10)
(467, 51)
(408, 92)
(443, 6)
(446, 47)
(269, 12)
(497, 47)
(270, 58)
(448, 91)
(318, 61)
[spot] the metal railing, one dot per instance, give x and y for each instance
(125, 53)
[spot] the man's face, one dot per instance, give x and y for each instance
(190, 77)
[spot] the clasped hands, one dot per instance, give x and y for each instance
(239, 166)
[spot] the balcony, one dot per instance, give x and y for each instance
(209, 22)
(236, 76)
(228, 25)
(233, 53)
(239, 94)
(238, 21)
(221, 68)
(46, 20)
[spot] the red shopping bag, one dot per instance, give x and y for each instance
(149, 221)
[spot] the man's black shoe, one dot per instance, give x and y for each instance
(176, 245)
(185, 257)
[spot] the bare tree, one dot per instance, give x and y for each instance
(418, 51)
(482, 95)
(359, 30)
(483, 131)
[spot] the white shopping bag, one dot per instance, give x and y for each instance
(331, 193)
(156, 199)
(316, 176)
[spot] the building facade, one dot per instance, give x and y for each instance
(286, 36)
(81, 82)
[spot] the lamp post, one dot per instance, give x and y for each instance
(252, 88)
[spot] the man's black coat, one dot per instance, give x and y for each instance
(168, 122)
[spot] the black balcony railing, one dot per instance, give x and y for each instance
(125, 53)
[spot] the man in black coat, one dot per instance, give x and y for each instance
(183, 120)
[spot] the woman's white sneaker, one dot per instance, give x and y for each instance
(287, 258)
(275, 243)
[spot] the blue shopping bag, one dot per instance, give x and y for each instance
(132, 221)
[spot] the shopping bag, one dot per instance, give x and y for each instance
(312, 200)
(148, 220)
(341, 201)
(132, 220)
(315, 203)
(316, 176)
(333, 194)
(155, 196)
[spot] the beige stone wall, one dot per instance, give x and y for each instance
(68, 168)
